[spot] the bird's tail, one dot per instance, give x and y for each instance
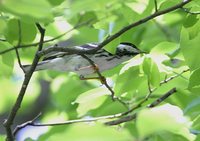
(40, 66)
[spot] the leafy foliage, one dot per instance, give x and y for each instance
(171, 43)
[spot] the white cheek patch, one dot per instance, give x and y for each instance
(129, 48)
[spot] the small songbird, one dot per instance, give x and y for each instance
(63, 61)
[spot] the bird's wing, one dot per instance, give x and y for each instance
(55, 54)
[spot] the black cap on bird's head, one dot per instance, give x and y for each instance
(126, 48)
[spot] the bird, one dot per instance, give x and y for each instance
(104, 60)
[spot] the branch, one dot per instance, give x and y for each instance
(9, 121)
(162, 98)
(121, 120)
(116, 35)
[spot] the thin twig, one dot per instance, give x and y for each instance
(77, 120)
(149, 86)
(19, 43)
(9, 121)
(103, 80)
(19, 127)
(172, 77)
(114, 36)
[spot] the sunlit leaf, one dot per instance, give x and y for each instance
(151, 70)
(168, 117)
(91, 99)
(194, 81)
(111, 47)
(37, 10)
(28, 31)
(189, 43)
(129, 81)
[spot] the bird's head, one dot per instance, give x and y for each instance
(128, 49)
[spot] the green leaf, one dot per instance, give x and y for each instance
(28, 31)
(129, 81)
(194, 81)
(189, 43)
(37, 10)
(193, 26)
(151, 70)
(7, 60)
(168, 118)
(168, 3)
(91, 99)
(129, 14)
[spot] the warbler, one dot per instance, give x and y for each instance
(65, 62)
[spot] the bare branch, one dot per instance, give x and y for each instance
(162, 98)
(8, 123)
